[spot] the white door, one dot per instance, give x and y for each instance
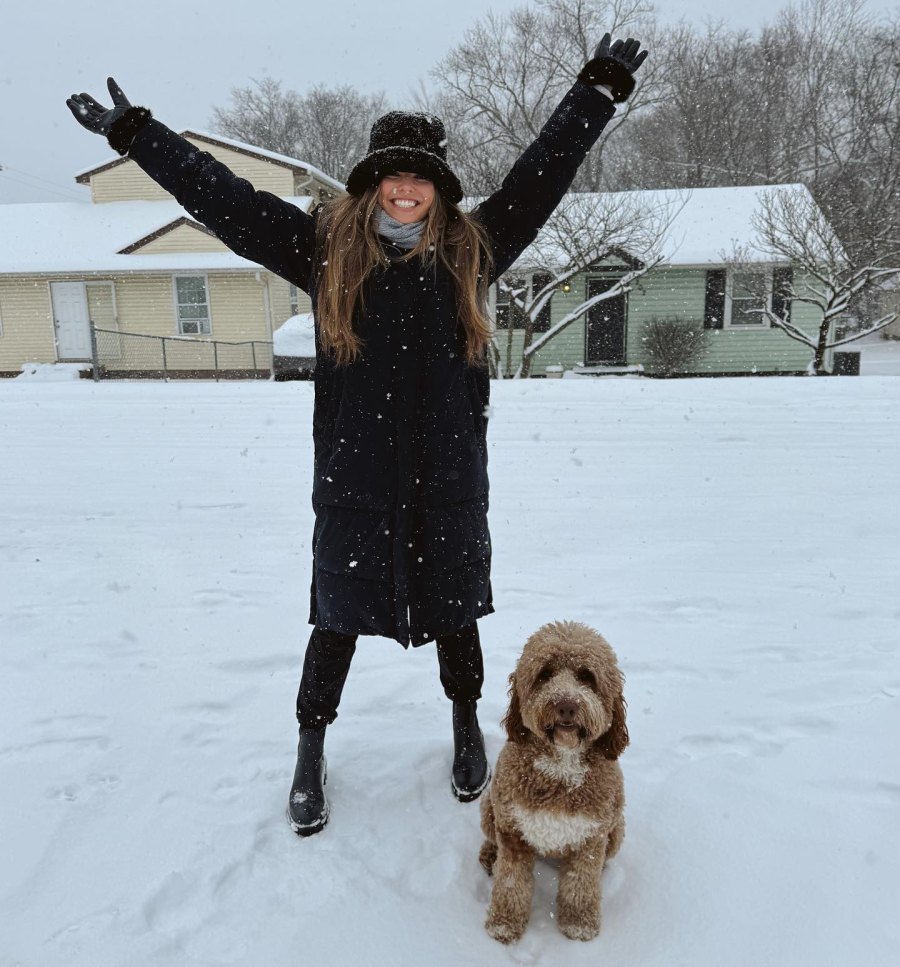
(71, 320)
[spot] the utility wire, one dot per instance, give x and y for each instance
(56, 189)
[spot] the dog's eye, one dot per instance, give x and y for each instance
(585, 677)
(544, 675)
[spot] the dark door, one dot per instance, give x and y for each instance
(605, 326)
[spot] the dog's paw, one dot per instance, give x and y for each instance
(504, 931)
(487, 856)
(579, 929)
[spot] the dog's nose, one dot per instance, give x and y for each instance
(566, 712)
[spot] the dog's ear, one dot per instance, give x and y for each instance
(615, 739)
(512, 721)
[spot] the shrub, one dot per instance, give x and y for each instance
(672, 344)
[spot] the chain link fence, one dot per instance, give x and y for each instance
(130, 355)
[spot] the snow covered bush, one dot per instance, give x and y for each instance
(672, 344)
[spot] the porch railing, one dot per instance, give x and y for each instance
(132, 355)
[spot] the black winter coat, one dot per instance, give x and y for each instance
(401, 546)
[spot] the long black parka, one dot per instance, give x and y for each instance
(401, 546)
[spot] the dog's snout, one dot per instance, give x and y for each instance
(566, 712)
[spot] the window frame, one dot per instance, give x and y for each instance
(764, 323)
(178, 320)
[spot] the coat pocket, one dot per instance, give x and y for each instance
(355, 543)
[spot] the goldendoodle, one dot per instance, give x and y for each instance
(557, 789)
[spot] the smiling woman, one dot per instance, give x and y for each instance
(398, 276)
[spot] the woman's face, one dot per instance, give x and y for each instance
(403, 187)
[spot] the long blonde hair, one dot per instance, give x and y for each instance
(350, 250)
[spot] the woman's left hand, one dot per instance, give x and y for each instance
(614, 65)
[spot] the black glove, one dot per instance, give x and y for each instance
(614, 66)
(118, 124)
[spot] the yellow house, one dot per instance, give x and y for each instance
(160, 290)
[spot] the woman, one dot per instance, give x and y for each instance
(398, 276)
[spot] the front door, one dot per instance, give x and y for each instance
(71, 321)
(605, 326)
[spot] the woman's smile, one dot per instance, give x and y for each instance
(406, 196)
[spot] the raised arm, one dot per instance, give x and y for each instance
(257, 225)
(514, 214)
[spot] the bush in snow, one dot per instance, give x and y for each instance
(673, 344)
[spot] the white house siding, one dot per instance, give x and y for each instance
(27, 323)
(670, 292)
(126, 181)
(182, 239)
(280, 294)
(102, 305)
(146, 306)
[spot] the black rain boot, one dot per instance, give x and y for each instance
(471, 773)
(308, 807)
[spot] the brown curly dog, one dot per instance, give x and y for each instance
(557, 789)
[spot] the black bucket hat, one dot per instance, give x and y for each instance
(406, 141)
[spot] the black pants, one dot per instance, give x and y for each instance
(328, 657)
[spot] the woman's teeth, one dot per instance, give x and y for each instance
(405, 204)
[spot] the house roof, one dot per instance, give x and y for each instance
(706, 222)
(87, 237)
(83, 177)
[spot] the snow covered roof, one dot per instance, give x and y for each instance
(706, 228)
(83, 176)
(87, 237)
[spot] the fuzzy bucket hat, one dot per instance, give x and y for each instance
(406, 141)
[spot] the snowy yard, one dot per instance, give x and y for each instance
(737, 541)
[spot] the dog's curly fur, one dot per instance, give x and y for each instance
(557, 789)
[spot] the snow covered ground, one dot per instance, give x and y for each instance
(737, 541)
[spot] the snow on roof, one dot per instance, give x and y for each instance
(710, 223)
(241, 146)
(86, 237)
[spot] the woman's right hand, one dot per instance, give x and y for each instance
(93, 115)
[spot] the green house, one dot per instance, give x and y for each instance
(693, 285)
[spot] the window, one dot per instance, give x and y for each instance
(292, 296)
(735, 297)
(192, 305)
(504, 311)
(748, 296)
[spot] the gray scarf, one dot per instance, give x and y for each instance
(406, 236)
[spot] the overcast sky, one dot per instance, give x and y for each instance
(181, 57)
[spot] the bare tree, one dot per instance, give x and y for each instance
(814, 98)
(499, 86)
(327, 127)
(584, 231)
(265, 116)
(791, 227)
(335, 126)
